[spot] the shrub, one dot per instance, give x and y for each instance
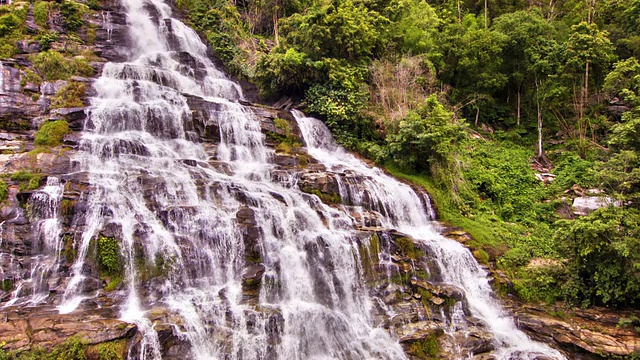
(52, 65)
(51, 133)
(69, 96)
(4, 190)
(71, 15)
(41, 13)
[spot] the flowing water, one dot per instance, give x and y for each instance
(198, 225)
(404, 210)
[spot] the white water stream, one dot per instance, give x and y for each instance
(405, 211)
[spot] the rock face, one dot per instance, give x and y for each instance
(585, 205)
(587, 333)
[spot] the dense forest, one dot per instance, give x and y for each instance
(472, 100)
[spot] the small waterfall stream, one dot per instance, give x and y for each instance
(405, 211)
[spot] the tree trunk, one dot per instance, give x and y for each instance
(477, 116)
(275, 24)
(540, 150)
(486, 15)
(586, 84)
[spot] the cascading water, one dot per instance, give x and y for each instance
(44, 211)
(173, 208)
(404, 210)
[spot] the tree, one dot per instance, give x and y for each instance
(527, 34)
(588, 51)
(472, 62)
(424, 137)
(414, 26)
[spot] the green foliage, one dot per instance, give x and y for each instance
(408, 248)
(604, 249)
(353, 28)
(624, 81)
(41, 11)
(113, 350)
(426, 348)
(71, 15)
(414, 26)
(109, 257)
(4, 190)
(341, 110)
(52, 65)
(9, 24)
(69, 96)
(283, 72)
(71, 349)
(46, 39)
(27, 180)
(51, 133)
(425, 137)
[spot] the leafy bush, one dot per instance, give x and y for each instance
(342, 111)
(113, 350)
(425, 137)
(46, 39)
(52, 65)
(9, 24)
(69, 96)
(4, 190)
(110, 261)
(41, 13)
(73, 348)
(72, 15)
(51, 133)
(604, 250)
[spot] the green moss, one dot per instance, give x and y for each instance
(426, 348)
(481, 256)
(407, 247)
(112, 350)
(6, 285)
(69, 96)
(333, 198)
(73, 348)
(70, 252)
(41, 13)
(51, 133)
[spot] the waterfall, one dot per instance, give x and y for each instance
(218, 244)
(406, 212)
(214, 229)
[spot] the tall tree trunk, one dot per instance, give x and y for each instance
(275, 24)
(540, 150)
(486, 14)
(584, 97)
(477, 116)
(459, 12)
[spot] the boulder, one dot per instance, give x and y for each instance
(584, 205)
